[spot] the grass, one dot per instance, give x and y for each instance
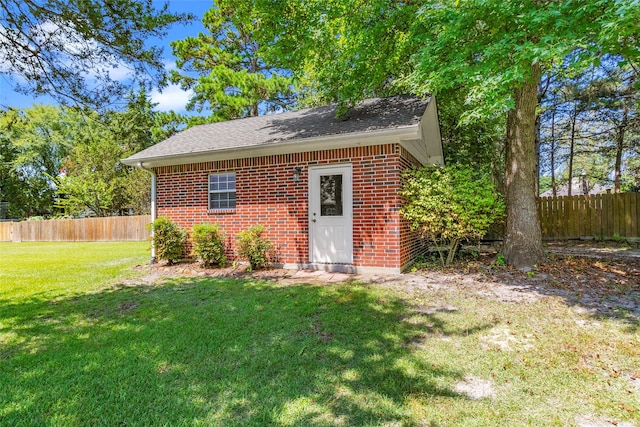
(76, 348)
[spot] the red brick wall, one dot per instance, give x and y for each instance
(266, 194)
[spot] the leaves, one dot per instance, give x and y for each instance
(450, 204)
(73, 50)
(253, 247)
(168, 239)
(68, 160)
(225, 70)
(33, 145)
(208, 244)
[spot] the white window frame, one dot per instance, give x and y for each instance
(221, 190)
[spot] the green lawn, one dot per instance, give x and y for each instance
(76, 348)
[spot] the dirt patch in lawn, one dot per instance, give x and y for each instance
(608, 285)
(476, 388)
(601, 287)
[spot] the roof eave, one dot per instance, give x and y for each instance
(356, 139)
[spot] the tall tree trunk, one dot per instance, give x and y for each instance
(537, 150)
(523, 237)
(619, 150)
(620, 134)
(553, 152)
(544, 86)
(572, 147)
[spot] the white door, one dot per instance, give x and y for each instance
(330, 214)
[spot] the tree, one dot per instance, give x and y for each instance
(73, 49)
(231, 78)
(590, 124)
(35, 143)
(12, 188)
(497, 49)
(92, 184)
(450, 204)
(95, 182)
(66, 159)
(479, 143)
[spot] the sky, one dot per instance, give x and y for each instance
(171, 98)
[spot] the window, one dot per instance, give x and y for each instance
(222, 191)
(331, 195)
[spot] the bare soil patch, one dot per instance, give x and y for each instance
(607, 284)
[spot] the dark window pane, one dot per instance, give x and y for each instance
(331, 195)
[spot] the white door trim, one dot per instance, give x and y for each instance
(337, 231)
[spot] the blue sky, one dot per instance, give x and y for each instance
(172, 97)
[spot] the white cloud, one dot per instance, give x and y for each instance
(170, 65)
(171, 98)
(69, 47)
(119, 72)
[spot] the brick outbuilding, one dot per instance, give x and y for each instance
(325, 188)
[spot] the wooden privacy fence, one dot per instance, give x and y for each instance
(602, 216)
(115, 228)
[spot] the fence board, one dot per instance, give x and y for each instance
(634, 212)
(118, 228)
(590, 216)
(6, 231)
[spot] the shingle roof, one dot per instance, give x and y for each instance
(368, 116)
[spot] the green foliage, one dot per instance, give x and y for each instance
(168, 239)
(95, 181)
(12, 188)
(254, 248)
(69, 48)
(91, 183)
(356, 49)
(208, 244)
(33, 145)
(590, 124)
(233, 79)
(55, 159)
(492, 52)
(450, 204)
(617, 238)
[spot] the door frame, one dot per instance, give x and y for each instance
(347, 169)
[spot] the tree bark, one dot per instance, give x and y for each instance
(553, 152)
(523, 237)
(620, 134)
(541, 93)
(574, 117)
(538, 124)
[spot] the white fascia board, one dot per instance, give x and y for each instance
(430, 134)
(359, 139)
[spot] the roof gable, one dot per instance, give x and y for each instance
(369, 117)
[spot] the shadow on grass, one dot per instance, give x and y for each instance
(605, 289)
(602, 288)
(215, 351)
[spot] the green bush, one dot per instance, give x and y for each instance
(208, 244)
(253, 247)
(450, 204)
(168, 239)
